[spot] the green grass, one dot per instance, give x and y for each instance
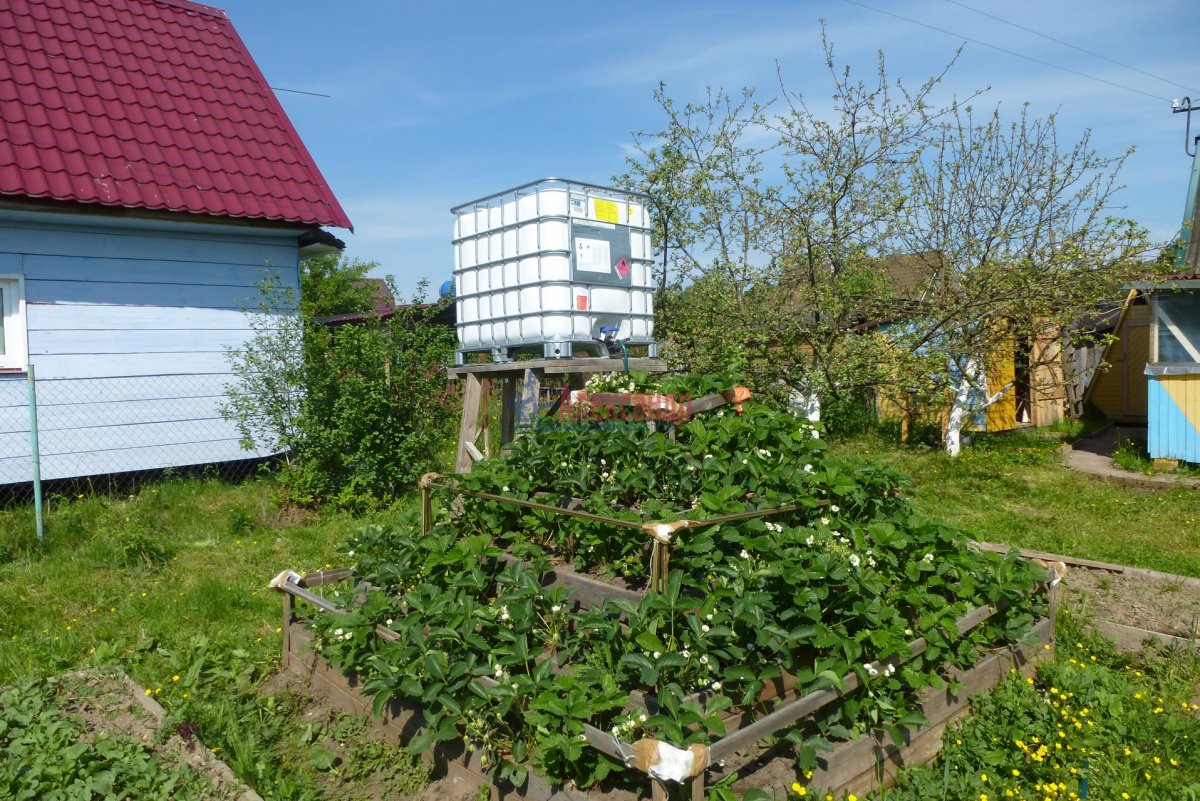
(171, 585)
(1014, 489)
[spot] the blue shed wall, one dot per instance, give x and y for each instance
(128, 325)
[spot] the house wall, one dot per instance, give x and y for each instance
(1174, 429)
(1120, 390)
(128, 325)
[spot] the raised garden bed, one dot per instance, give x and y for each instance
(853, 767)
(683, 602)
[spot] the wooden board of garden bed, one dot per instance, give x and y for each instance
(854, 767)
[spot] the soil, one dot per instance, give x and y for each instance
(111, 703)
(1165, 604)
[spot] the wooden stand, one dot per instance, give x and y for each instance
(520, 386)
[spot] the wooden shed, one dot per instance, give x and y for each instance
(149, 180)
(1119, 390)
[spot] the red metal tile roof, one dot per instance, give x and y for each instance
(148, 104)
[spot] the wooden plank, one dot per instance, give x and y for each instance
(57, 366)
(476, 454)
(112, 293)
(508, 410)
(1131, 638)
(469, 426)
(86, 317)
(803, 707)
(588, 591)
(102, 268)
(48, 238)
(561, 366)
(530, 404)
(402, 721)
(319, 578)
(859, 766)
(137, 340)
(1188, 581)
(485, 404)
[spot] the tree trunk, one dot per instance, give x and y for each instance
(808, 404)
(973, 375)
(958, 412)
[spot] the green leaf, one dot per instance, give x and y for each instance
(649, 641)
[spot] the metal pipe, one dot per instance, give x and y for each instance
(35, 452)
(615, 521)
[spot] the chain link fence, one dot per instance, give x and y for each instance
(93, 435)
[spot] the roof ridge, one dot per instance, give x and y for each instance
(188, 5)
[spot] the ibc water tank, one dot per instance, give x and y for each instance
(548, 265)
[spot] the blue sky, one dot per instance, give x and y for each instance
(432, 104)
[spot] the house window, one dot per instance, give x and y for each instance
(12, 323)
(1177, 326)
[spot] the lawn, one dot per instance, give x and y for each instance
(1014, 489)
(171, 584)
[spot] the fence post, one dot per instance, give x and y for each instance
(37, 460)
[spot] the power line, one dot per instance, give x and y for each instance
(1009, 52)
(298, 91)
(1073, 47)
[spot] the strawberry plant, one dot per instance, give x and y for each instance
(842, 578)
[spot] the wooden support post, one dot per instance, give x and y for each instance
(508, 410)
(531, 390)
(469, 426)
(698, 787)
(485, 404)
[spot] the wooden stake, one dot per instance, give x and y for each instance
(469, 427)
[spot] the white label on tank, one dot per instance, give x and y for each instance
(592, 255)
(578, 205)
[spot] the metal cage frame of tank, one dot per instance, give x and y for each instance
(558, 345)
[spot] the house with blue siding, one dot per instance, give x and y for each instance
(149, 182)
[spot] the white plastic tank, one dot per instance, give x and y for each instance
(552, 263)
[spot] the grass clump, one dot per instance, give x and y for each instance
(1013, 488)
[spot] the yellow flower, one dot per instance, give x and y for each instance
(983, 777)
(148, 691)
(1016, 772)
(798, 788)
(175, 677)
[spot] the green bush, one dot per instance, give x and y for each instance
(377, 409)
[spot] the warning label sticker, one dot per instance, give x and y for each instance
(592, 255)
(606, 210)
(578, 205)
(622, 268)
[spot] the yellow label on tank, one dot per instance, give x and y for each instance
(606, 210)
